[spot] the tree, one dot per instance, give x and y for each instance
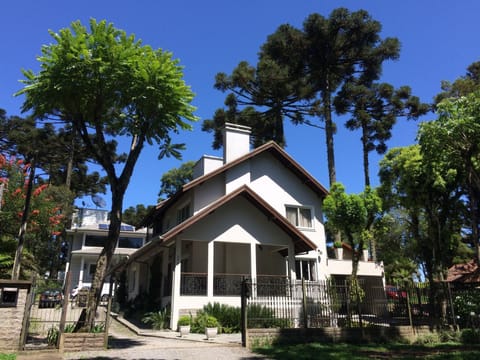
(464, 85)
(134, 215)
(353, 215)
(374, 109)
(451, 143)
(121, 89)
(174, 179)
(300, 72)
(433, 209)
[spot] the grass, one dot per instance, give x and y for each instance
(7, 356)
(361, 352)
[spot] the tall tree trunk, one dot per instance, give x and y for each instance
(23, 225)
(329, 132)
(104, 260)
(366, 165)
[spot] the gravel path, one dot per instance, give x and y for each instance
(128, 345)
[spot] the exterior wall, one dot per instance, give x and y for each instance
(236, 141)
(237, 177)
(226, 226)
(208, 192)
(206, 164)
(344, 267)
(170, 218)
(12, 317)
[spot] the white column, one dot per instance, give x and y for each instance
(177, 272)
(210, 268)
(164, 271)
(253, 261)
(80, 275)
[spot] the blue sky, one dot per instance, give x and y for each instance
(439, 40)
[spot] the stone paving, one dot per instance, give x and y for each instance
(133, 343)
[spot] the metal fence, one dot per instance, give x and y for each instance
(307, 304)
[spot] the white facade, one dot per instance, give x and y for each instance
(89, 229)
(257, 215)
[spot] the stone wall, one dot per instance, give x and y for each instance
(259, 337)
(82, 342)
(12, 314)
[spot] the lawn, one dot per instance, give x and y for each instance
(7, 356)
(360, 352)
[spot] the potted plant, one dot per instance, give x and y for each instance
(338, 249)
(211, 326)
(184, 323)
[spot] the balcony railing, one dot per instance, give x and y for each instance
(195, 284)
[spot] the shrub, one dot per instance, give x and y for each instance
(158, 319)
(185, 320)
(259, 316)
(467, 307)
(203, 321)
(228, 316)
(470, 336)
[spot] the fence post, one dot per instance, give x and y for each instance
(304, 304)
(244, 312)
(63, 317)
(450, 300)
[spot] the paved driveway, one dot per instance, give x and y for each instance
(128, 345)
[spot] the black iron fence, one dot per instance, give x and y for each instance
(331, 303)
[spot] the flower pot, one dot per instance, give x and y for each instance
(211, 332)
(184, 330)
(339, 253)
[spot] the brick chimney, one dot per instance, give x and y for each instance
(236, 141)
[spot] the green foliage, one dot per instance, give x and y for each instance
(259, 316)
(470, 336)
(467, 307)
(185, 320)
(158, 319)
(52, 335)
(228, 316)
(173, 180)
(202, 321)
(7, 356)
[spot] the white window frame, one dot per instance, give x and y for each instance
(298, 209)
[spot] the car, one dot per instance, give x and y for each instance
(50, 298)
(394, 293)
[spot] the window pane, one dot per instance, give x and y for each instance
(92, 240)
(305, 218)
(292, 215)
(130, 243)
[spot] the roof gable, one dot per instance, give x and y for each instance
(271, 148)
(301, 242)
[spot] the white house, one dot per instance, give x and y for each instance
(87, 236)
(255, 214)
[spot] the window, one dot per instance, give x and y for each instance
(94, 240)
(300, 216)
(305, 269)
(183, 213)
(130, 243)
(8, 297)
(91, 270)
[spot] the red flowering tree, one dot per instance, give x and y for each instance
(43, 220)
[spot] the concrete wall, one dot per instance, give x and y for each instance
(12, 317)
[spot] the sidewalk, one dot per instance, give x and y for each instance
(224, 339)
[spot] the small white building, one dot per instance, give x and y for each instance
(87, 237)
(251, 214)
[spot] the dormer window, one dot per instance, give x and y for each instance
(183, 213)
(300, 216)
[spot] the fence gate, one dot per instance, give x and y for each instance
(43, 313)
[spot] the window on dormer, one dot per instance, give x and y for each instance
(183, 213)
(300, 216)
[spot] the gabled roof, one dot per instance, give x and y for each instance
(301, 242)
(464, 273)
(272, 148)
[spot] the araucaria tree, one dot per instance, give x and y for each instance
(299, 74)
(106, 84)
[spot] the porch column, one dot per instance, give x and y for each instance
(177, 272)
(80, 275)
(253, 261)
(210, 268)
(291, 262)
(164, 273)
